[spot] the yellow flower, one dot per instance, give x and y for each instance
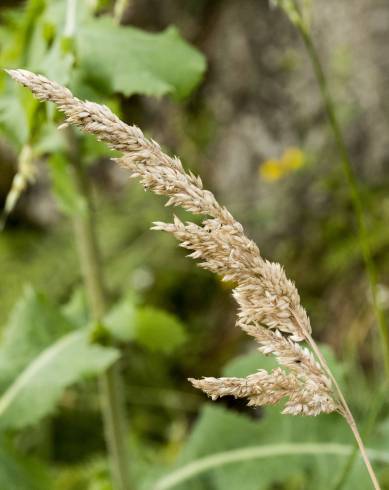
(292, 158)
(272, 170)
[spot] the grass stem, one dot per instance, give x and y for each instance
(363, 235)
(353, 187)
(346, 412)
(113, 408)
(372, 415)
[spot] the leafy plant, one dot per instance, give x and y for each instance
(45, 349)
(230, 450)
(35, 323)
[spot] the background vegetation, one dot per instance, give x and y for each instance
(229, 87)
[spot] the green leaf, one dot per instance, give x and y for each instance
(120, 321)
(13, 118)
(34, 323)
(202, 465)
(219, 430)
(57, 64)
(65, 192)
(38, 388)
(226, 449)
(158, 330)
(49, 52)
(155, 329)
(132, 61)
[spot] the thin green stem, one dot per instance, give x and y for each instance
(346, 412)
(362, 234)
(113, 408)
(352, 186)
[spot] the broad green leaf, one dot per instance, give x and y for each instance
(132, 61)
(65, 192)
(220, 432)
(158, 330)
(154, 329)
(49, 51)
(109, 58)
(57, 64)
(35, 392)
(33, 325)
(258, 453)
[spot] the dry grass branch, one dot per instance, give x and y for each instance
(269, 307)
(269, 304)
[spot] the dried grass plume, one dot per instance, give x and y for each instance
(269, 306)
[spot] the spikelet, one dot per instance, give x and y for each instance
(269, 306)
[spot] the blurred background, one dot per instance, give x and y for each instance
(228, 86)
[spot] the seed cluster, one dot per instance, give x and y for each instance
(269, 307)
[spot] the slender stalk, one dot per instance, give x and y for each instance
(363, 451)
(373, 413)
(110, 382)
(352, 183)
(294, 13)
(346, 412)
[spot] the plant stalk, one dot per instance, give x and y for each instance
(373, 413)
(112, 403)
(357, 203)
(362, 235)
(353, 188)
(346, 412)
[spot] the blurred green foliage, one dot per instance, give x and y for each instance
(164, 322)
(46, 349)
